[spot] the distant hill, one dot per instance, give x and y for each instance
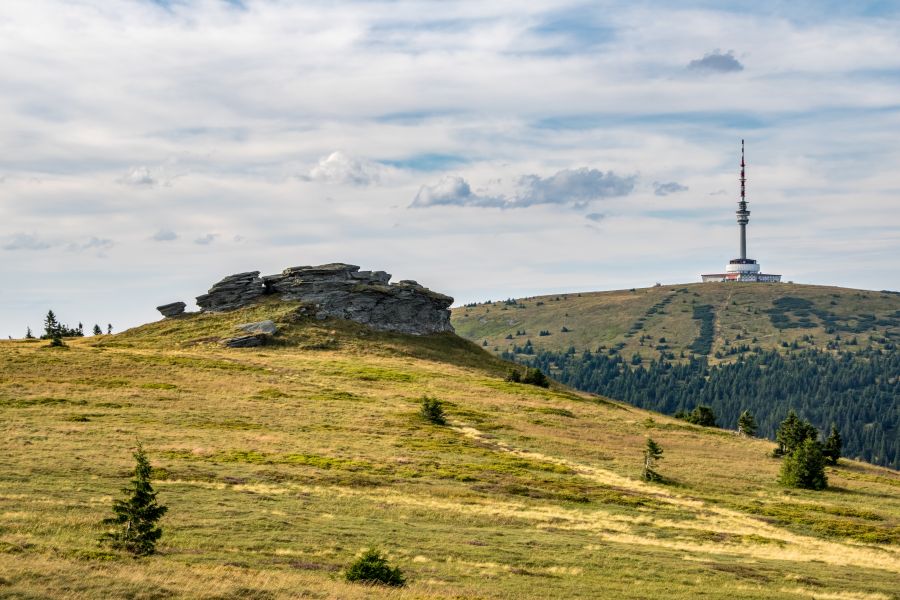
(761, 347)
(280, 464)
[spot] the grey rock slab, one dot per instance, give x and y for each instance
(267, 327)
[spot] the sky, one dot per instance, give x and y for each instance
(485, 149)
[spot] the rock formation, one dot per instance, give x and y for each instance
(172, 309)
(232, 292)
(342, 291)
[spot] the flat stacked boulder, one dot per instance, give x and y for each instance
(172, 309)
(232, 292)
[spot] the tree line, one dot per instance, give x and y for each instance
(859, 392)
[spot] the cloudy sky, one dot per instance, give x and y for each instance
(485, 149)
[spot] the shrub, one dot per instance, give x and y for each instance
(701, 415)
(136, 516)
(514, 376)
(536, 377)
(804, 467)
(373, 568)
(433, 411)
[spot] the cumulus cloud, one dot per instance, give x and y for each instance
(453, 190)
(717, 62)
(572, 186)
(206, 240)
(26, 241)
(165, 235)
(139, 177)
(569, 187)
(338, 167)
(664, 189)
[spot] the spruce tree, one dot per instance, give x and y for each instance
(652, 453)
(51, 325)
(433, 411)
(792, 432)
(108, 328)
(28, 334)
(97, 330)
(134, 524)
(747, 424)
(832, 448)
(804, 467)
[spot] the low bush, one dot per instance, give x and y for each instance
(373, 568)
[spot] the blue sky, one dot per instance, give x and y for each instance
(484, 149)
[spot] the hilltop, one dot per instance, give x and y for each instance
(279, 464)
(633, 321)
(830, 353)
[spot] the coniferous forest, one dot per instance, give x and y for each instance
(859, 392)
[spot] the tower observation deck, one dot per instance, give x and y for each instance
(742, 268)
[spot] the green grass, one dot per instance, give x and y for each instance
(281, 464)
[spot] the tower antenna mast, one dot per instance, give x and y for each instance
(743, 215)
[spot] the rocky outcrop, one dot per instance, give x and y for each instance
(172, 310)
(341, 291)
(232, 292)
(266, 327)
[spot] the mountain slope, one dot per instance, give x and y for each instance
(829, 353)
(279, 464)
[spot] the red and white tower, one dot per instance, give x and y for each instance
(742, 268)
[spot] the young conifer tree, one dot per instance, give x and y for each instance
(832, 448)
(652, 453)
(28, 334)
(134, 526)
(97, 330)
(747, 424)
(804, 467)
(51, 325)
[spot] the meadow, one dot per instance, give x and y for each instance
(281, 464)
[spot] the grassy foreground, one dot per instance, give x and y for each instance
(281, 464)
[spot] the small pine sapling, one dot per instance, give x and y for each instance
(373, 568)
(652, 454)
(28, 334)
(97, 330)
(833, 444)
(136, 516)
(747, 424)
(433, 411)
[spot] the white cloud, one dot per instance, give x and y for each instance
(337, 167)
(139, 177)
(569, 187)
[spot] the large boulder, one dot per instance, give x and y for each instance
(172, 309)
(232, 292)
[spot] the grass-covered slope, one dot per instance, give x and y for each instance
(281, 464)
(828, 353)
(634, 321)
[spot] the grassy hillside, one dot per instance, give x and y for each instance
(634, 321)
(280, 464)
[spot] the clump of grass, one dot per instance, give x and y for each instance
(433, 411)
(373, 568)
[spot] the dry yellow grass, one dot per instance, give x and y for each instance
(280, 464)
